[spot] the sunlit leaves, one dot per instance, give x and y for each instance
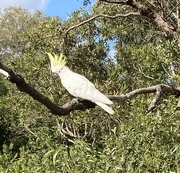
(132, 140)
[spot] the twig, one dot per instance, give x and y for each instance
(115, 1)
(141, 71)
(29, 130)
(151, 3)
(66, 133)
(161, 6)
(166, 71)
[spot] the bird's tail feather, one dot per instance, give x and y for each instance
(105, 107)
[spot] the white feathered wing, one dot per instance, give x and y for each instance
(81, 87)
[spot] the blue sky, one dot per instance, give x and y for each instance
(49, 7)
(62, 7)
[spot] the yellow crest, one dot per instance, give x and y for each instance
(57, 60)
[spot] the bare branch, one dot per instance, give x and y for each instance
(123, 2)
(170, 12)
(157, 89)
(141, 72)
(76, 104)
(151, 3)
(100, 15)
(64, 130)
(66, 133)
(30, 130)
(161, 5)
(156, 98)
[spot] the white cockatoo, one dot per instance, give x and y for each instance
(77, 85)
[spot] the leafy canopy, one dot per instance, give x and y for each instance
(130, 141)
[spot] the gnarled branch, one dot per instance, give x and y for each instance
(76, 104)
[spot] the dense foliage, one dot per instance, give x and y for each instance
(118, 56)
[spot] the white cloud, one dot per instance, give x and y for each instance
(27, 4)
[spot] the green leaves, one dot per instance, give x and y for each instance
(132, 140)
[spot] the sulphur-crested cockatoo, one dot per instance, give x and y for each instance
(78, 85)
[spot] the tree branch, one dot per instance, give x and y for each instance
(156, 98)
(97, 16)
(152, 15)
(76, 104)
(123, 2)
(148, 90)
(53, 107)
